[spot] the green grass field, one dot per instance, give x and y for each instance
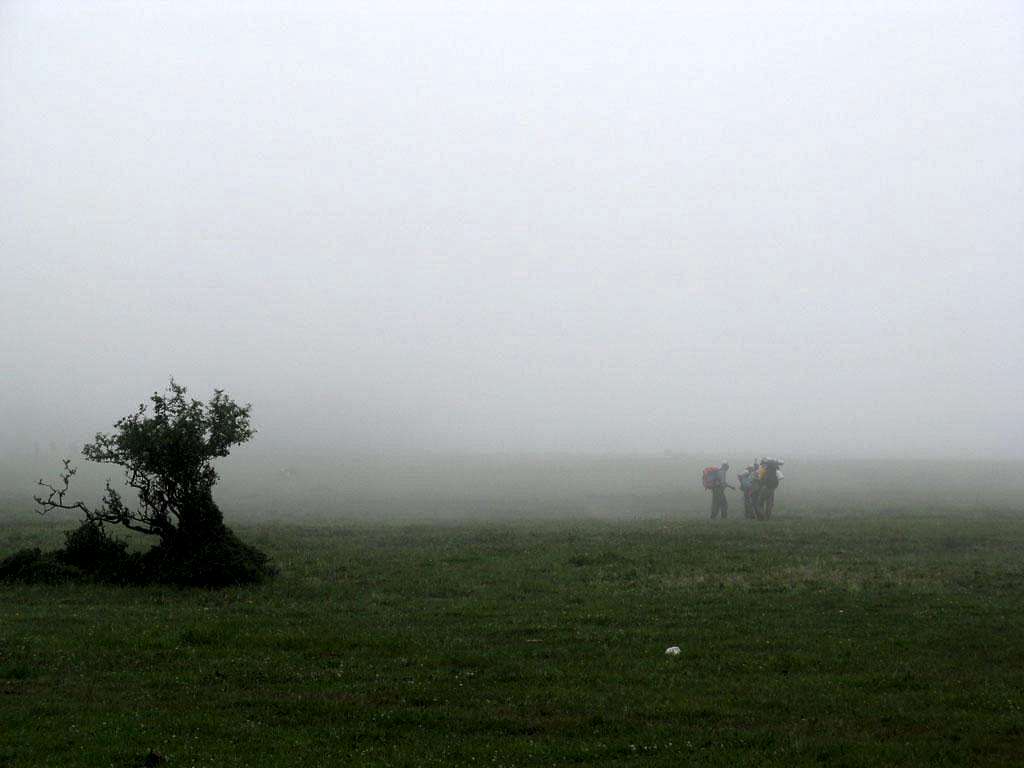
(848, 640)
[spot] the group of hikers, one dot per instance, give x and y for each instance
(757, 484)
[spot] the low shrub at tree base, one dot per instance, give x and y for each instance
(218, 559)
(92, 554)
(33, 566)
(89, 554)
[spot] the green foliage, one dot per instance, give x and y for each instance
(167, 456)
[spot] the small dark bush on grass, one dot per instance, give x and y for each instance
(33, 566)
(89, 553)
(167, 457)
(94, 552)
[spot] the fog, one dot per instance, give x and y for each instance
(512, 228)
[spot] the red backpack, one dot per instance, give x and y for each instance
(709, 477)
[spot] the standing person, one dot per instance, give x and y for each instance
(719, 484)
(746, 479)
(768, 477)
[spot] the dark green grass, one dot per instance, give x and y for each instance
(856, 641)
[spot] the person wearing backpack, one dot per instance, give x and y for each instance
(715, 481)
(746, 479)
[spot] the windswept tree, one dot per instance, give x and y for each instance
(167, 451)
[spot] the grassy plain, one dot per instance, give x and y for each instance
(844, 639)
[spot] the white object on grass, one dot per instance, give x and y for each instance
(672, 651)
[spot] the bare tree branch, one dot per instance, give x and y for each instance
(55, 498)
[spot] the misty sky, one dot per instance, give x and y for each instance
(789, 227)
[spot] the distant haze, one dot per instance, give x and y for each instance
(519, 227)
